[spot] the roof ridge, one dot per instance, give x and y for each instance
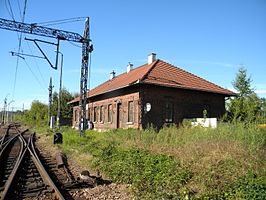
(151, 67)
(193, 74)
(111, 80)
(158, 72)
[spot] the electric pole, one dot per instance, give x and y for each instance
(5, 106)
(4, 111)
(50, 89)
(87, 48)
(60, 91)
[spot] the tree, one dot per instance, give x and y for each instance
(246, 106)
(242, 83)
(54, 104)
(66, 109)
(37, 115)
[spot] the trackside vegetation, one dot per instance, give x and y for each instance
(182, 162)
(178, 163)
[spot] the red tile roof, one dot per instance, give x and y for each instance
(158, 73)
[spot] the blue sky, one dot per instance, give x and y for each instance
(211, 39)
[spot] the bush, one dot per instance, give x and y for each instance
(151, 175)
(205, 163)
(249, 186)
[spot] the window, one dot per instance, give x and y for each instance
(95, 114)
(76, 115)
(130, 111)
(102, 114)
(110, 113)
(169, 110)
(89, 114)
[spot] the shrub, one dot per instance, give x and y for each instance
(249, 186)
(151, 175)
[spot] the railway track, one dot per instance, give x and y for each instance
(22, 173)
(28, 171)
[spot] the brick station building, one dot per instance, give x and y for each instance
(156, 93)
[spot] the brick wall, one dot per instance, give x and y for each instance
(168, 105)
(185, 104)
(105, 114)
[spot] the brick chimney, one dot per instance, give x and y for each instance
(129, 67)
(151, 58)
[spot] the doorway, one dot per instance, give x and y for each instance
(119, 116)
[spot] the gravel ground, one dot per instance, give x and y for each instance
(100, 192)
(111, 191)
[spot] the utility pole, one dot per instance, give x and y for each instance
(60, 91)
(4, 110)
(86, 49)
(8, 112)
(12, 114)
(50, 89)
(62, 35)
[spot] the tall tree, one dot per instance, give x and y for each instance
(37, 115)
(242, 83)
(247, 105)
(66, 109)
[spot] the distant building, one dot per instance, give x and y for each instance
(156, 93)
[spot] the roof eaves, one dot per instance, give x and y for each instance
(197, 89)
(125, 86)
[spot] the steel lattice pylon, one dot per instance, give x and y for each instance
(86, 49)
(62, 35)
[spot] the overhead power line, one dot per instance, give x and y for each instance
(34, 75)
(20, 13)
(87, 48)
(36, 63)
(9, 9)
(61, 21)
(19, 47)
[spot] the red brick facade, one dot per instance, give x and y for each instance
(121, 111)
(172, 93)
(171, 105)
(168, 105)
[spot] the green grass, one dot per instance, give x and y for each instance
(250, 135)
(178, 163)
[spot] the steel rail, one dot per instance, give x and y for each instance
(6, 143)
(29, 146)
(3, 138)
(15, 170)
(45, 176)
(43, 172)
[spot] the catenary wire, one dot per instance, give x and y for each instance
(72, 43)
(34, 75)
(37, 65)
(19, 49)
(19, 8)
(61, 21)
(9, 9)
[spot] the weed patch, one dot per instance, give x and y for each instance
(151, 175)
(178, 163)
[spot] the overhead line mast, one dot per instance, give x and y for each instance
(62, 35)
(40, 30)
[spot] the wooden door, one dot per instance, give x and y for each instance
(119, 115)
